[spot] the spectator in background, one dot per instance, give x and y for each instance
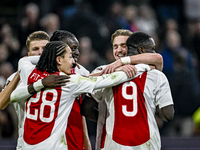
(191, 9)
(146, 21)
(85, 23)
(7, 116)
(166, 9)
(179, 67)
(3, 53)
(11, 44)
(50, 23)
(6, 69)
(6, 124)
(169, 24)
(173, 46)
(89, 57)
(29, 23)
(185, 89)
(116, 13)
(131, 14)
(195, 42)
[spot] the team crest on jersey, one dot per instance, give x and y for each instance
(93, 78)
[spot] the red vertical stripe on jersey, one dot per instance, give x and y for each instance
(74, 131)
(131, 130)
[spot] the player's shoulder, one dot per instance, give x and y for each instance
(155, 71)
(157, 74)
(81, 70)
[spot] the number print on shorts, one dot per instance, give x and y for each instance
(132, 97)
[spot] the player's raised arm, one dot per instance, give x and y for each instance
(23, 92)
(145, 58)
(5, 94)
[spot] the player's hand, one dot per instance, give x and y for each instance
(111, 68)
(78, 65)
(54, 80)
(152, 67)
(130, 70)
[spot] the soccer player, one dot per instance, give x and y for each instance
(118, 39)
(35, 43)
(76, 122)
(132, 105)
(48, 109)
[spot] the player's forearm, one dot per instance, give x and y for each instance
(5, 94)
(20, 93)
(109, 80)
(86, 136)
(25, 91)
(95, 74)
(148, 58)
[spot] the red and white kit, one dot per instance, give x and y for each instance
(47, 112)
(131, 106)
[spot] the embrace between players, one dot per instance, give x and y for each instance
(128, 96)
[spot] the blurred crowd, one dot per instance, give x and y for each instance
(174, 24)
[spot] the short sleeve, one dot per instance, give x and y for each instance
(163, 96)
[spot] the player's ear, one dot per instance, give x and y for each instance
(29, 54)
(58, 60)
(141, 50)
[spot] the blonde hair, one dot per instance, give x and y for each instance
(37, 36)
(120, 32)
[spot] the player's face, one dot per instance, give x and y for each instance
(36, 47)
(66, 62)
(74, 45)
(119, 47)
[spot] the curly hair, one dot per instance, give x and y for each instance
(142, 40)
(62, 35)
(47, 60)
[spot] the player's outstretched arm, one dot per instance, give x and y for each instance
(5, 94)
(25, 91)
(145, 58)
(87, 142)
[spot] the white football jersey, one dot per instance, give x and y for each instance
(74, 132)
(75, 141)
(130, 123)
(81, 71)
(19, 108)
(47, 112)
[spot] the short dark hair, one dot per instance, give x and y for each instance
(47, 61)
(62, 35)
(139, 39)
